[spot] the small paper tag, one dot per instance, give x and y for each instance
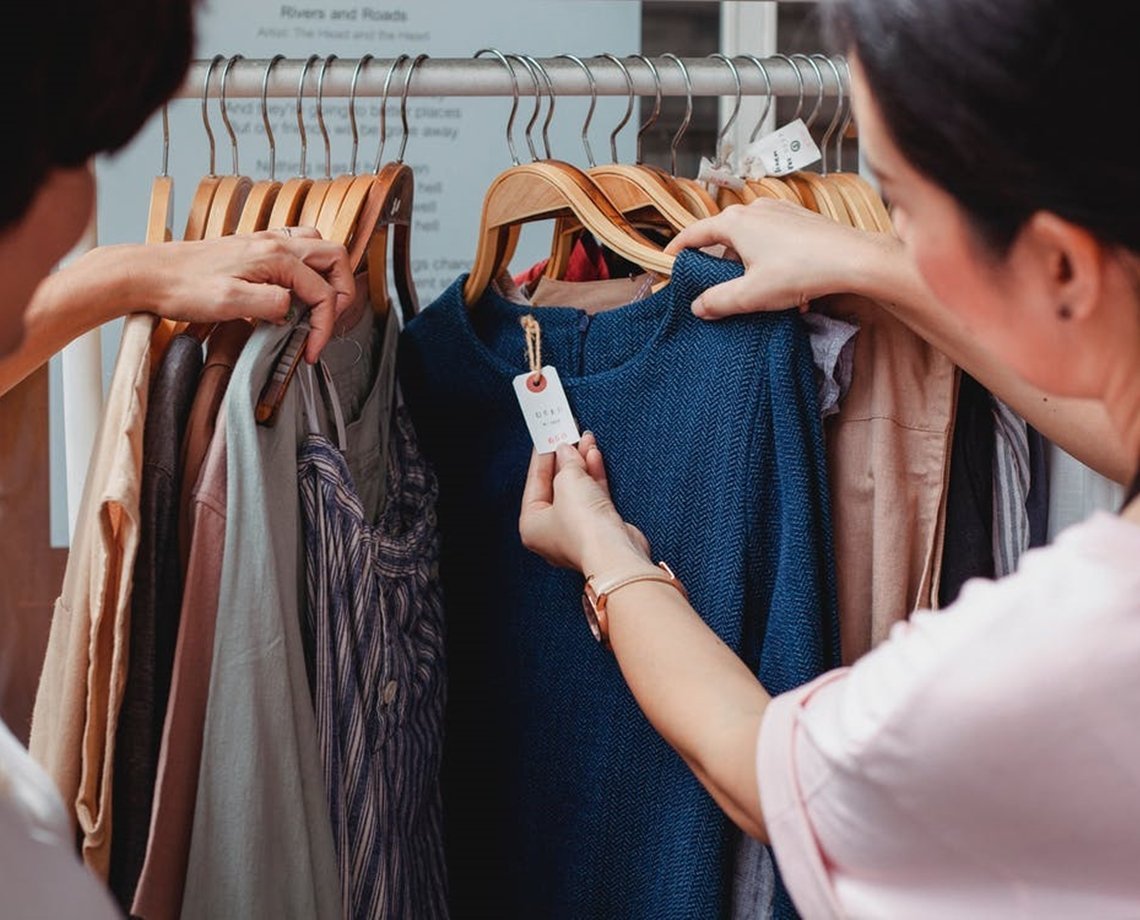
(546, 410)
(711, 174)
(781, 152)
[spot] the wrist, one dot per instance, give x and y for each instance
(878, 268)
(606, 561)
(112, 280)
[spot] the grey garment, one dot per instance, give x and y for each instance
(262, 843)
(833, 351)
(753, 881)
(1012, 481)
(1075, 491)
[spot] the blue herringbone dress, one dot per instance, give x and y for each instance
(560, 799)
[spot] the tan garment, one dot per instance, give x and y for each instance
(591, 296)
(222, 351)
(81, 686)
(888, 456)
(163, 878)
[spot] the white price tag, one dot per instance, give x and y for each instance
(546, 410)
(711, 174)
(781, 152)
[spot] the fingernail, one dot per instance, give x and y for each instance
(698, 307)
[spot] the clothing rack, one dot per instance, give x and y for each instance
(486, 76)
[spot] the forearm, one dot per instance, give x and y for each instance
(695, 691)
(1080, 427)
(92, 290)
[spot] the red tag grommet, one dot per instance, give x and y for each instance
(536, 384)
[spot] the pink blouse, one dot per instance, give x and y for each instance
(984, 761)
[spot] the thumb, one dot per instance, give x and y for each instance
(736, 296)
(570, 459)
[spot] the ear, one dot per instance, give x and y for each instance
(1071, 263)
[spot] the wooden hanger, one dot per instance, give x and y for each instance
(372, 205)
(815, 193)
(232, 190)
(637, 193)
(208, 185)
(700, 203)
(540, 191)
(291, 197)
(161, 209)
(725, 195)
(259, 205)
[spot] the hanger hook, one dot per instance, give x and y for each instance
(384, 108)
(218, 58)
(618, 63)
(810, 120)
(165, 141)
(419, 59)
(514, 101)
(593, 104)
(688, 109)
(656, 113)
(846, 118)
(538, 65)
(265, 115)
(225, 111)
(799, 79)
(533, 72)
(360, 65)
(313, 58)
(762, 67)
(321, 113)
(728, 62)
(827, 135)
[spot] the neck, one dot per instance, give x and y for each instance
(1122, 402)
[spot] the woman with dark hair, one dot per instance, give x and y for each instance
(983, 761)
(80, 79)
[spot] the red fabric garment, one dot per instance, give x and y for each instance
(587, 263)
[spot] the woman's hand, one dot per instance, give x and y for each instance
(568, 517)
(254, 276)
(791, 256)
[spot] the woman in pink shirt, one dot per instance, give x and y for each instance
(985, 760)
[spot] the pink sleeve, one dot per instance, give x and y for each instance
(784, 798)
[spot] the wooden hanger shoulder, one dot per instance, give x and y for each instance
(287, 207)
(200, 208)
(225, 211)
(258, 206)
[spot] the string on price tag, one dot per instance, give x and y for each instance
(541, 397)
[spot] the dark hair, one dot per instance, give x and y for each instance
(1011, 106)
(80, 77)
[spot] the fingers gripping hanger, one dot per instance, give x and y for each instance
(638, 193)
(259, 205)
(541, 191)
(225, 209)
(726, 196)
(768, 186)
(361, 226)
(699, 201)
(287, 208)
(204, 194)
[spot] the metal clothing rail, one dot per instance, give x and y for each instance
(488, 77)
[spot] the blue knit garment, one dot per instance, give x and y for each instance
(560, 799)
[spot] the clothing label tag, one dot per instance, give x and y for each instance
(781, 152)
(546, 410)
(711, 174)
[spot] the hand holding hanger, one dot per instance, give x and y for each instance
(791, 256)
